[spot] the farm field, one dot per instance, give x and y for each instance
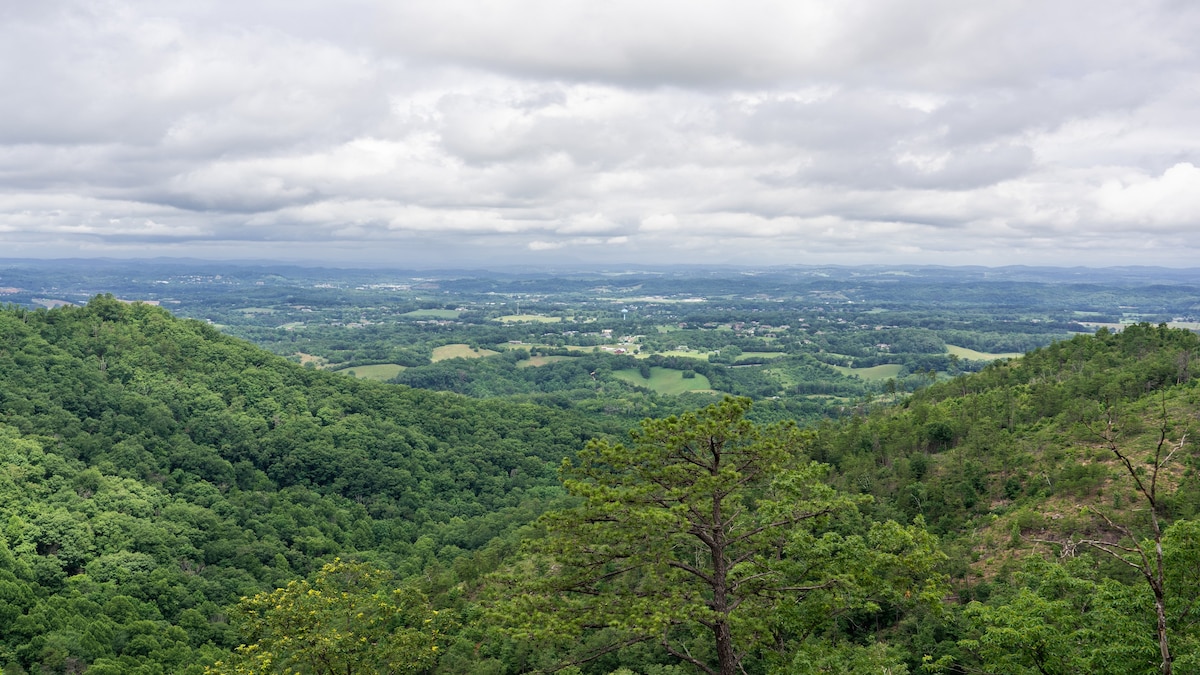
(884, 372)
(456, 351)
(431, 314)
(664, 380)
(381, 371)
(761, 355)
(571, 348)
(681, 353)
(535, 361)
(964, 353)
(529, 318)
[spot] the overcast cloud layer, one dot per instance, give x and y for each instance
(549, 131)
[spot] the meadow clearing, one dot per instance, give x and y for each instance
(971, 354)
(380, 371)
(664, 380)
(459, 350)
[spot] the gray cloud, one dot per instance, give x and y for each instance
(463, 132)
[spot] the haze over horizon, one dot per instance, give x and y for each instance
(544, 133)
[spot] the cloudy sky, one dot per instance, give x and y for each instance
(482, 132)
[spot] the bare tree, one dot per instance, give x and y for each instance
(1128, 548)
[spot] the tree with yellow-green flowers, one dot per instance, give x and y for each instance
(349, 619)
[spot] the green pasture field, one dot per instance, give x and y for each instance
(657, 299)
(884, 372)
(255, 310)
(432, 314)
(460, 350)
(529, 318)
(664, 380)
(379, 371)
(534, 361)
(683, 353)
(570, 348)
(761, 355)
(971, 354)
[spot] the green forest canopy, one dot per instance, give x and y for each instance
(155, 472)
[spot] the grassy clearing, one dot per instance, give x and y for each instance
(665, 380)
(535, 361)
(657, 299)
(570, 348)
(379, 371)
(255, 310)
(884, 372)
(785, 377)
(432, 314)
(460, 350)
(529, 318)
(684, 353)
(761, 355)
(971, 354)
(306, 359)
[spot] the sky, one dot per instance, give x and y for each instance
(561, 132)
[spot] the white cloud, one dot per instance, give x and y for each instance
(588, 223)
(768, 130)
(1169, 201)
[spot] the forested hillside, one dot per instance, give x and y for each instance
(160, 481)
(1052, 481)
(156, 471)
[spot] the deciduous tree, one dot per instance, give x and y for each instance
(349, 619)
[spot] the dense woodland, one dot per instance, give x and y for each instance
(179, 501)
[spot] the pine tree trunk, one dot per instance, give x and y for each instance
(726, 658)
